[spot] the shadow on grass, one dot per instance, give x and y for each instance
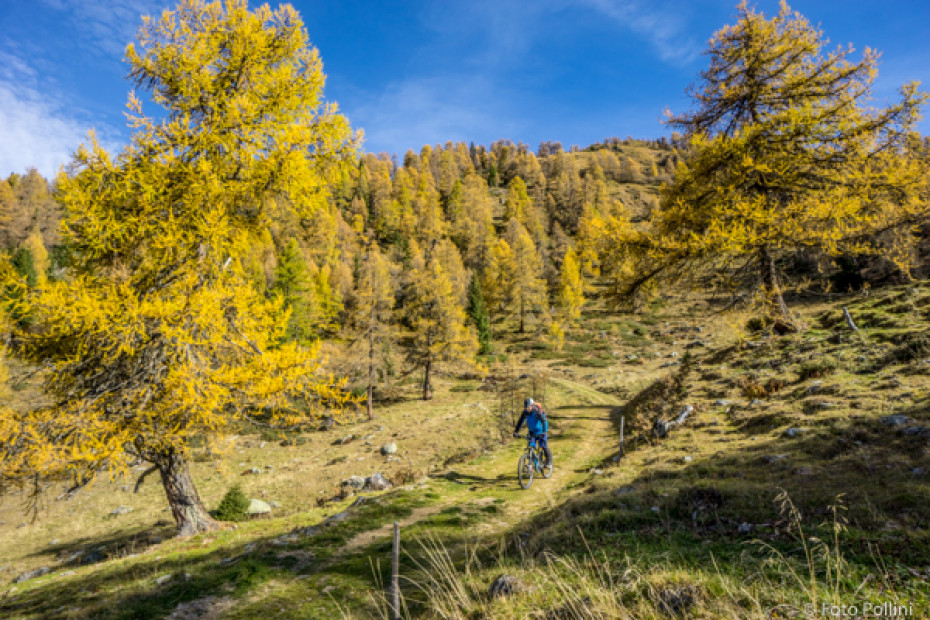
(152, 586)
(470, 479)
(121, 543)
(712, 504)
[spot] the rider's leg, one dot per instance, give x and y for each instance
(544, 442)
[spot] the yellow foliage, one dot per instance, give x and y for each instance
(497, 282)
(527, 287)
(557, 335)
(34, 244)
(159, 332)
(571, 287)
(784, 155)
(440, 330)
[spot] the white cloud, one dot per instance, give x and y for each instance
(430, 110)
(40, 126)
(661, 24)
(107, 25)
(33, 133)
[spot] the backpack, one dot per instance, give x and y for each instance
(537, 408)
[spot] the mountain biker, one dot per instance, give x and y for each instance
(537, 425)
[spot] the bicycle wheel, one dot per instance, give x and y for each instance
(547, 468)
(525, 472)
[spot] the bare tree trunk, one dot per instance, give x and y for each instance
(521, 314)
(186, 506)
(371, 369)
(427, 388)
(772, 290)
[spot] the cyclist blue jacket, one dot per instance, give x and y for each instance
(536, 421)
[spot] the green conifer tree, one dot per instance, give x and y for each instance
(478, 312)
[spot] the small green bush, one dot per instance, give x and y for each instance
(911, 347)
(233, 506)
(817, 368)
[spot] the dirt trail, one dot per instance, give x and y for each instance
(580, 431)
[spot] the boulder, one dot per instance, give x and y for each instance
(92, 557)
(339, 517)
(32, 574)
(793, 431)
(354, 482)
(361, 500)
(896, 419)
(389, 448)
(377, 482)
(676, 601)
(505, 585)
(121, 510)
(258, 507)
(774, 458)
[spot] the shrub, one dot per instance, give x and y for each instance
(233, 506)
(752, 388)
(911, 347)
(817, 368)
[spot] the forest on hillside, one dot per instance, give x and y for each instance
(499, 220)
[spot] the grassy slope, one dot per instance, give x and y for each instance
(665, 527)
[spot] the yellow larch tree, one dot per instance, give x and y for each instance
(156, 334)
(528, 288)
(571, 286)
(497, 277)
(785, 154)
(439, 328)
(518, 205)
(372, 312)
(473, 227)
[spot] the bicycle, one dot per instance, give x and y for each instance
(532, 460)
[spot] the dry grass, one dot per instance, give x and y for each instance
(639, 539)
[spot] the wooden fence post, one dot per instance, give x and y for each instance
(395, 573)
(621, 435)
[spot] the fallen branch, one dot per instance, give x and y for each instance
(849, 320)
(661, 428)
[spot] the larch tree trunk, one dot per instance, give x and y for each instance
(371, 369)
(775, 303)
(427, 388)
(189, 512)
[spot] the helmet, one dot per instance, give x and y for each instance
(528, 403)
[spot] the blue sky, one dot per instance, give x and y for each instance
(411, 73)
